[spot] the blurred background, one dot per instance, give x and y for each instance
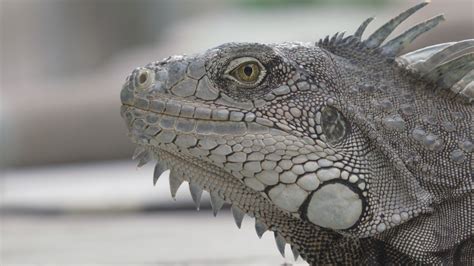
(70, 194)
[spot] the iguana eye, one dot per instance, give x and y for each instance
(247, 71)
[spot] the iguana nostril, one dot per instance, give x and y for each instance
(142, 79)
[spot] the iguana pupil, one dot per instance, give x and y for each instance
(248, 70)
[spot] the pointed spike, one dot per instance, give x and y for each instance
(340, 37)
(260, 228)
(362, 27)
(216, 203)
(382, 33)
(393, 47)
(446, 54)
(467, 92)
(350, 40)
(280, 242)
(175, 183)
(159, 169)
(347, 39)
(412, 58)
(326, 40)
(196, 193)
(447, 74)
(144, 158)
(238, 215)
(296, 254)
(464, 82)
(139, 150)
(465, 87)
(333, 38)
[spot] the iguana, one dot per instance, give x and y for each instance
(345, 149)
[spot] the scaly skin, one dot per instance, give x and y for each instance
(340, 151)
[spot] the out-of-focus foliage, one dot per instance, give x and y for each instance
(277, 3)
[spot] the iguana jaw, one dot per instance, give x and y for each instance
(225, 188)
(221, 185)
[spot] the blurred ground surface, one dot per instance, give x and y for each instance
(133, 239)
(112, 186)
(110, 214)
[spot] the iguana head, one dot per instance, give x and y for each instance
(264, 114)
(275, 131)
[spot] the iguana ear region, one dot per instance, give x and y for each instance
(334, 125)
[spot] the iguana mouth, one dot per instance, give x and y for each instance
(192, 136)
(171, 106)
(189, 120)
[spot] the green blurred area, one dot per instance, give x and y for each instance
(284, 3)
